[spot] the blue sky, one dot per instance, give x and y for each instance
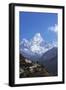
(43, 23)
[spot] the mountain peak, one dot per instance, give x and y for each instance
(37, 38)
(38, 34)
(34, 47)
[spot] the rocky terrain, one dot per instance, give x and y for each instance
(29, 68)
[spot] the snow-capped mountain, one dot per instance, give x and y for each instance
(35, 47)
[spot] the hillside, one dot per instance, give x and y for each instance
(31, 69)
(50, 61)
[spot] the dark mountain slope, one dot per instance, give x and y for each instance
(50, 61)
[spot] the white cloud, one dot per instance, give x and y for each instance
(53, 28)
